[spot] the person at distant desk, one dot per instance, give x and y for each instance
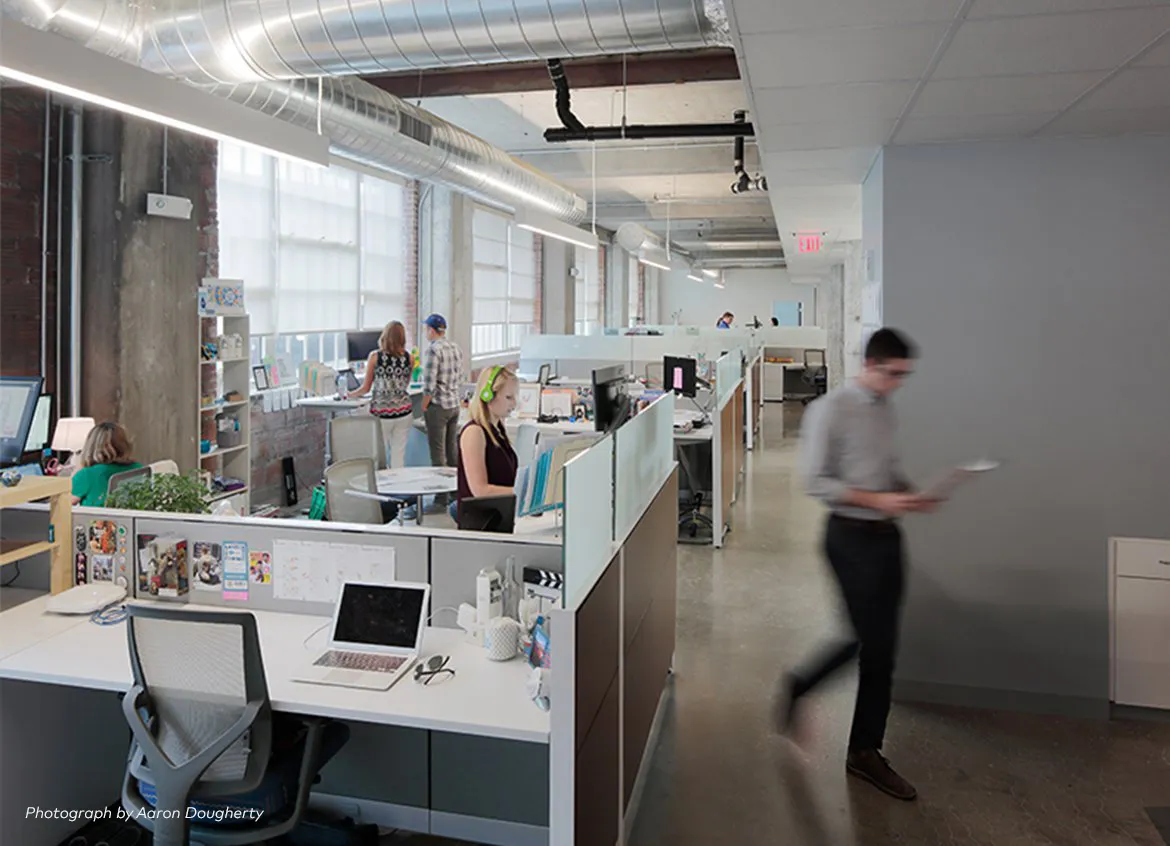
(442, 373)
(775, 321)
(725, 321)
(388, 371)
(487, 463)
(106, 453)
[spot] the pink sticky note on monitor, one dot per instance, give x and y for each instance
(678, 378)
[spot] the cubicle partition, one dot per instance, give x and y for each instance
(754, 388)
(615, 635)
(419, 758)
(727, 441)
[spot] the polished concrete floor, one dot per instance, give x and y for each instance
(721, 776)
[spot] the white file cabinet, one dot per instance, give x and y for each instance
(1140, 622)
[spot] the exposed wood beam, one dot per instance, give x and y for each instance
(599, 72)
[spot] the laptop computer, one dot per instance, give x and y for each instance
(376, 637)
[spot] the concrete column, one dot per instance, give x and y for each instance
(140, 331)
(560, 287)
(446, 262)
(617, 307)
(854, 288)
(831, 305)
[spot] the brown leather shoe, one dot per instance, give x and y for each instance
(871, 765)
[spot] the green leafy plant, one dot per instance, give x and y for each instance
(164, 492)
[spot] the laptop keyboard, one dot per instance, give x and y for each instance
(360, 661)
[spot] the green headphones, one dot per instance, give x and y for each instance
(488, 394)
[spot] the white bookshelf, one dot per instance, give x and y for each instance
(231, 452)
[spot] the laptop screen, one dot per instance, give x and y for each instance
(379, 615)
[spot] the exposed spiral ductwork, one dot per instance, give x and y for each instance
(241, 49)
(246, 40)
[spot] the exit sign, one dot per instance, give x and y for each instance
(808, 243)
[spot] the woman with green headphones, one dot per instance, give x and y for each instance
(487, 462)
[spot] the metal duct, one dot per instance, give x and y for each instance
(365, 124)
(249, 40)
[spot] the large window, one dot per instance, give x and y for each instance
(653, 277)
(633, 302)
(320, 251)
(503, 284)
(587, 320)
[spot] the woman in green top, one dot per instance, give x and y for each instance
(106, 452)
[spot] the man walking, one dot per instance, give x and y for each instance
(442, 374)
(849, 461)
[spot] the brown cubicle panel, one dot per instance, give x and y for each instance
(597, 706)
(757, 377)
(727, 448)
(650, 598)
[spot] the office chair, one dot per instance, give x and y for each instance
(357, 437)
(815, 374)
(166, 467)
(341, 506)
(203, 734)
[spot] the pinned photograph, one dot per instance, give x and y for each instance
(260, 568)
(103, 537)
(206, 565)
(103, 568)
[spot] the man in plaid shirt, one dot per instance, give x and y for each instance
(443, 372)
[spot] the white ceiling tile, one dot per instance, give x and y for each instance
(969, 127)
(1051, 44)
(1003, 95)
(821, 136)
(820, 103)
(827, 57)
(1137, 88)
(1109, 122)
(1010, 8)
(1159, 57)
(764, 16)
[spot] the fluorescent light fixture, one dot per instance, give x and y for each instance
(553, 228)
(714, 274)
(694, 278)
(651, 263)
(719, 285)
(61, 65)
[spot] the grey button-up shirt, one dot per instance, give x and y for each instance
(847, 441)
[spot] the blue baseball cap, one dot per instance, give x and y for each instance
(436, 322)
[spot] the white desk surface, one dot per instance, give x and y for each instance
(484, 698)
(546, 525)
(331, 403)
(694, 436)
(28, 624)
(414, 481)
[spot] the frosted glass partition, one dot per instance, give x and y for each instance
(573, 355)
(728, 371)
(645, 456)
(588, 519)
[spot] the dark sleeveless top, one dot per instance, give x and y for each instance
(388, 395)
(499, 458)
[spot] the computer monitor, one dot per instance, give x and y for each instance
(488, 514)
(39, 431)
(347, 379)
(359, 345)
(680, 375)
(546, 375)
(611, 403)
(18, 403)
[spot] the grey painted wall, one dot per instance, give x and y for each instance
(1035, 276)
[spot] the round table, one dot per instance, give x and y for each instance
(412, 483)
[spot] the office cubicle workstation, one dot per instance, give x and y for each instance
(794, 359)
(712, 432)
(474, 757)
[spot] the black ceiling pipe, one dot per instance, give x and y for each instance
(556, 72)
(642, 131)
(742, 181)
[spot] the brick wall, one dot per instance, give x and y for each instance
(410, 259)
(22, 140)
(299, 432)
(602, 266)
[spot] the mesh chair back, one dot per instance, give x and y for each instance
(356, 437)
(354, 475)
(200, 670)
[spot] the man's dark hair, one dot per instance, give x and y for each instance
(886, 344)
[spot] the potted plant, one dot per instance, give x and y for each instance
(163, 492)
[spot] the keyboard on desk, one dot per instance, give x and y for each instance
(360, 661)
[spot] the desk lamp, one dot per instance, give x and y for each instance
(70, 435)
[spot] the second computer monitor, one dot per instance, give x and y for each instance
(359, 345)
(611, 403)
(680, 375)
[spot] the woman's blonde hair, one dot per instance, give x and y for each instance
(106, 443)
(393, 339)
(493, 378)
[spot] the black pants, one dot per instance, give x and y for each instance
(866, 558)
